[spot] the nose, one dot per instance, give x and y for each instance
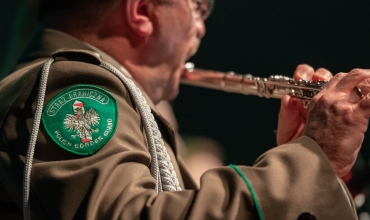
(201, 27)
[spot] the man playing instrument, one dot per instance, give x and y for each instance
(98, 153)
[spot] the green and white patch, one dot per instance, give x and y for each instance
(81, 119)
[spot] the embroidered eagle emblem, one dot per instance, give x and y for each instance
(82, 123)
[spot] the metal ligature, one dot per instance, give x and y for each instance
(272, 87)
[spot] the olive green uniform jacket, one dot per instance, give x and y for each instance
(293, 181)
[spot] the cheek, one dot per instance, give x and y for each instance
(186, 24)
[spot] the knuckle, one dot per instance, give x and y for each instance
(340, 75)
(335, 109)
(325, 100)
(341, 111)
(346, 112)
(356, 71)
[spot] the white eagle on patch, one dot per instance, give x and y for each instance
(82, 122)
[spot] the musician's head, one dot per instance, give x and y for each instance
(151, 36)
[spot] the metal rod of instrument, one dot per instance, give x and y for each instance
(272, 87)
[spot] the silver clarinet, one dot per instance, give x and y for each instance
(272, 87)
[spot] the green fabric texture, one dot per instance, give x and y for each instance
(258, 207)
(81, 119)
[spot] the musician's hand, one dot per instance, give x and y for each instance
(293, 115)
(338, 118)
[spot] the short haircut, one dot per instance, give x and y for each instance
(79, 13)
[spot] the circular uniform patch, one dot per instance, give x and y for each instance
(81, 119)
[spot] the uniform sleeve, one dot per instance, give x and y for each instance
(296, 179)
(115, 182)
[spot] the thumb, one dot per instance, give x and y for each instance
(288, 120)
(288, 110)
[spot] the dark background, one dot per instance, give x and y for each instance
(263, 38)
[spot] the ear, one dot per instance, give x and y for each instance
(138, 13)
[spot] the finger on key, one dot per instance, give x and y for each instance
(322, 74)
(352, 79)
(303, 71)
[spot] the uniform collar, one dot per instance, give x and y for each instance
(110, 60)
(121, 68)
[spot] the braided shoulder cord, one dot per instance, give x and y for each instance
(161, 167)
(33, 139)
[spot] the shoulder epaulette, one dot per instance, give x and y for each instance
(78, 55)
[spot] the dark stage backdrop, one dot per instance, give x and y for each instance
(260, 37)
